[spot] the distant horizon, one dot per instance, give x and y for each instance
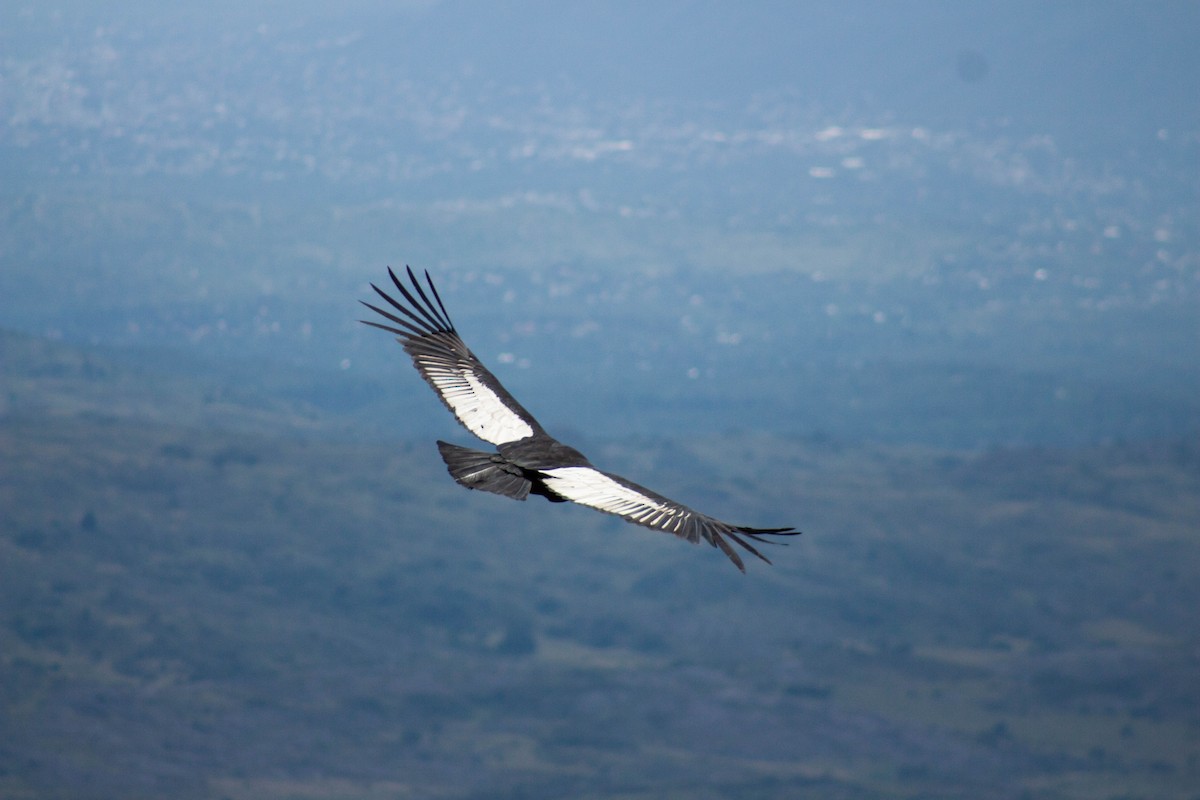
(835, 215)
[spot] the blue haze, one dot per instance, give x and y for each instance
(823, 212)
(805, 203)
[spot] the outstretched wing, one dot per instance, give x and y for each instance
(465, 385)
(615, 495)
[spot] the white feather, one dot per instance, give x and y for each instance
(476, 406)
(593, 488)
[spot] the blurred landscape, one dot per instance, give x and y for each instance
(923, 284)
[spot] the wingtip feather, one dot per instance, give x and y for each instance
(720, 542)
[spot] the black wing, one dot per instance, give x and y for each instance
(614, 495)
(468, 389)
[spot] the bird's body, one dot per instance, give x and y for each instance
(528, 460)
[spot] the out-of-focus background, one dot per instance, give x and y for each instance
(921, 279)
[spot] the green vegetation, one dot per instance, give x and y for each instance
(193, 605)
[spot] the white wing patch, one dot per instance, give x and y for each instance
(592, 488)
(476, 406)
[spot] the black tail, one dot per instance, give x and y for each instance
(488, 472)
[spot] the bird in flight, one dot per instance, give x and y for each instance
(527, 459)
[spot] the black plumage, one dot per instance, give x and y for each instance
(527, 460)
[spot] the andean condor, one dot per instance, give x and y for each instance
(529, 461)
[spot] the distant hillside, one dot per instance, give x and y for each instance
(192, 608)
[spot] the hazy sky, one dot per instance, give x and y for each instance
(1068, 67)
